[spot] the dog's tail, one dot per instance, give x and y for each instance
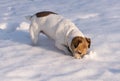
(29, 17)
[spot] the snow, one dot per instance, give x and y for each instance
(97, 19)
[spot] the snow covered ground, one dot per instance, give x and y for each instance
(97, 19)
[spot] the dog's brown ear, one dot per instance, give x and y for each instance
(89, 41)
(76, 41)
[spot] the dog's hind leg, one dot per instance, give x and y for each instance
(34, 32)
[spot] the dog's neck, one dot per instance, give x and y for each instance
(75, 32)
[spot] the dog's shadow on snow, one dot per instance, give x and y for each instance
(23, 37)
(44, 42)
(47, 43)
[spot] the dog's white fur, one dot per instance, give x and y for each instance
(61, 30)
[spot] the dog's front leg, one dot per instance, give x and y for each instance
(63, 48)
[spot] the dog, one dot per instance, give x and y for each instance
(66, 35)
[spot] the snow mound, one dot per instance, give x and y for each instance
(3, 26)
(23, 26)
(91, 55)
(88, 16)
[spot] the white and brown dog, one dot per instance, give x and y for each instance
(66, 35)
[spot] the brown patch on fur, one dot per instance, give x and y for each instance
(80, 45)
(89, 41)
(44, 13)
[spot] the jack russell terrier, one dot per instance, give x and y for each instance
(66, 35)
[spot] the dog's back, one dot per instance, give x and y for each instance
(44, 13)
(53, 25)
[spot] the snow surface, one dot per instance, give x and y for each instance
(97, 19)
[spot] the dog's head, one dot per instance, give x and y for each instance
(79, 46)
